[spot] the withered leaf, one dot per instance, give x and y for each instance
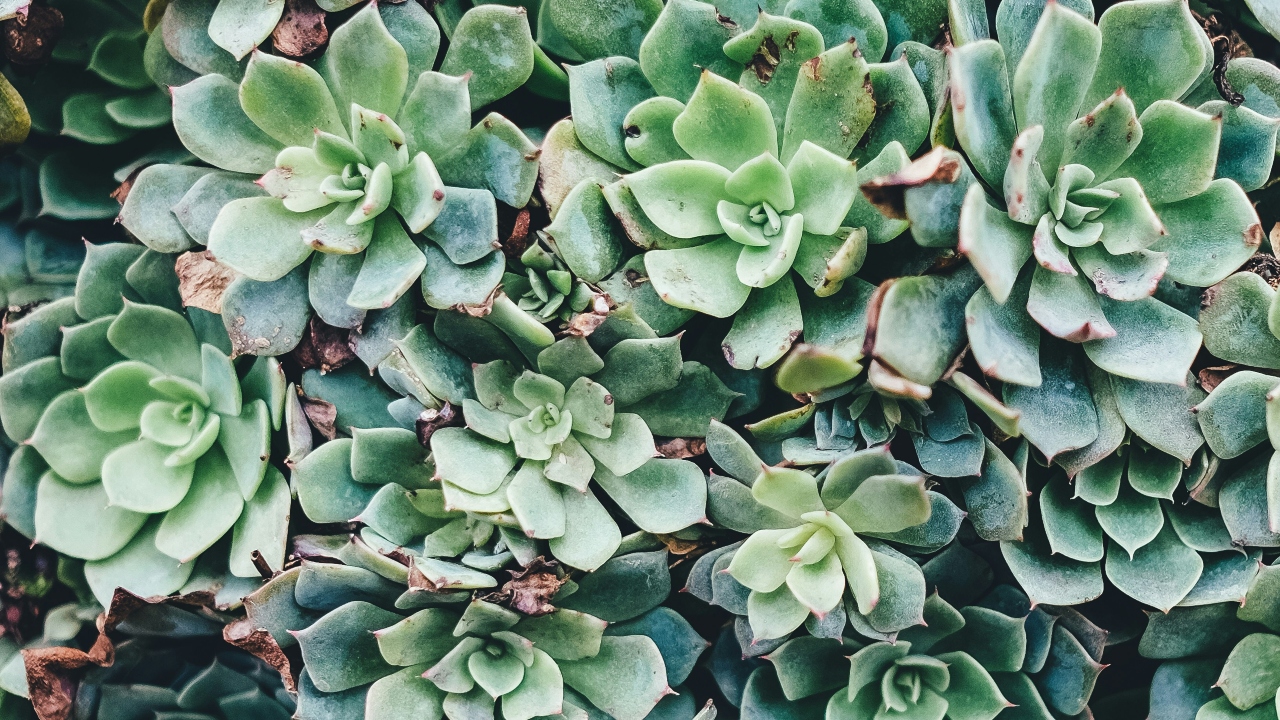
(202, 280)
(301, 31)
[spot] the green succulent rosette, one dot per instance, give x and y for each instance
(143, 444)
(1086, 202)
(1124, 512)
(819, 548)
(354, 156)
(784, 99)
(370, 647)
(547, 289)
(521, 476)
(535, 441)
(1120, 518)
(985, 653)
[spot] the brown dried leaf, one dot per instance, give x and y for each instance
(324, 346)
(1212, 377)
(530, 589)
(680, 448)
(321, 414)
(52, 674)
(202, 280)
(886, 193)
(301, 31)
(260, 644)
(29, 37)
(432, 420)
(583, 324)
(518, 241)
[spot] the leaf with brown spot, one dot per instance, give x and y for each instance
(886, 193)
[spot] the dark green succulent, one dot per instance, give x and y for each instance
(976, 651)
(40, 256)
(97, 109)
(369, 648)
(1218, 656)
(150, 676)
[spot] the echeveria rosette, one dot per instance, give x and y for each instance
(760, 215)
(547, 289)
(95, 110)
(1120, 517)
(143, 444)
(975, 652)
(807, 546)
(711, 102)
(432, 653)
(354, 156)
(1111, 206)
(1116, 199)
(533, 443)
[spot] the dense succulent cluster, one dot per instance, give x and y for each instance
(638, 360)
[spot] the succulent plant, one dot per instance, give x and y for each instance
(1216, 655)
(687, 115)
(814, 537)
(547, 289)
(1120, 516)
(1239, 323)
(353, 157)
(367, 647)
(142, 444)
(984, 653)
(1120, 197)
(532, 444)
(41, 256)
(150, 676)
(96, 112)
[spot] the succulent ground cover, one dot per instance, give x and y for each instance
(587, 359)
